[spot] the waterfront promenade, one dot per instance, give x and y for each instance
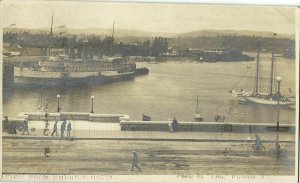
(87, 130)
(98, 145)
(161, 153)
(155, 136)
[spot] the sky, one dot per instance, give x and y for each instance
(152, 17)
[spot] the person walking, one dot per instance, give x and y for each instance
(258, 143)
(25, 128)
(54, 129)
(69, 129)
(135, 161)
(62, 128)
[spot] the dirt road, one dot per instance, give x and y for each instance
(156, 157)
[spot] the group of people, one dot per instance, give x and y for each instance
(11, 126)
(63, 127)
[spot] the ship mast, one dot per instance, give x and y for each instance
(51, 24)
(49, 46)
(257, 70)
(272, 66)
(112, 40)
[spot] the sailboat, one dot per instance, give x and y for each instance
(197, 115)
(270, 98)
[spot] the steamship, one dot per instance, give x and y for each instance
(60, 70)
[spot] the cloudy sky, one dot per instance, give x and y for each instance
(154, 17)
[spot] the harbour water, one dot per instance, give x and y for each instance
(170, 89)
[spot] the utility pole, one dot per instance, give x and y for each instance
(277, 145)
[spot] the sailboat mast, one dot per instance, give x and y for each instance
(272, 66)
(257, 69)
(112, 40)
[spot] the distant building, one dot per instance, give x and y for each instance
(10, 49)
(194, 50)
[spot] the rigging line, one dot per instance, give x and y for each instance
(252, 74)
(239, 81)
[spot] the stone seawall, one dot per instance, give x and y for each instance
(205, 126)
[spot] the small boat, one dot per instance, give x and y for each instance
(197, 115)
(241, 93)
(141, 71)
(243, 102)
(146, 118)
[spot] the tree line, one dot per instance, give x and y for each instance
(244, 43)
(91, 44)
(143, 46)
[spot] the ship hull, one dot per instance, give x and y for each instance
(21, 81)
(267, 102)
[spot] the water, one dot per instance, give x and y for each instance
(170, 89)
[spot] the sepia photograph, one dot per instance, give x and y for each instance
(149, 92)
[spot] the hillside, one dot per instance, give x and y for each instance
(141, 33)
(215, 33)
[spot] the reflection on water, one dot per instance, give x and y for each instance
(170, 89)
